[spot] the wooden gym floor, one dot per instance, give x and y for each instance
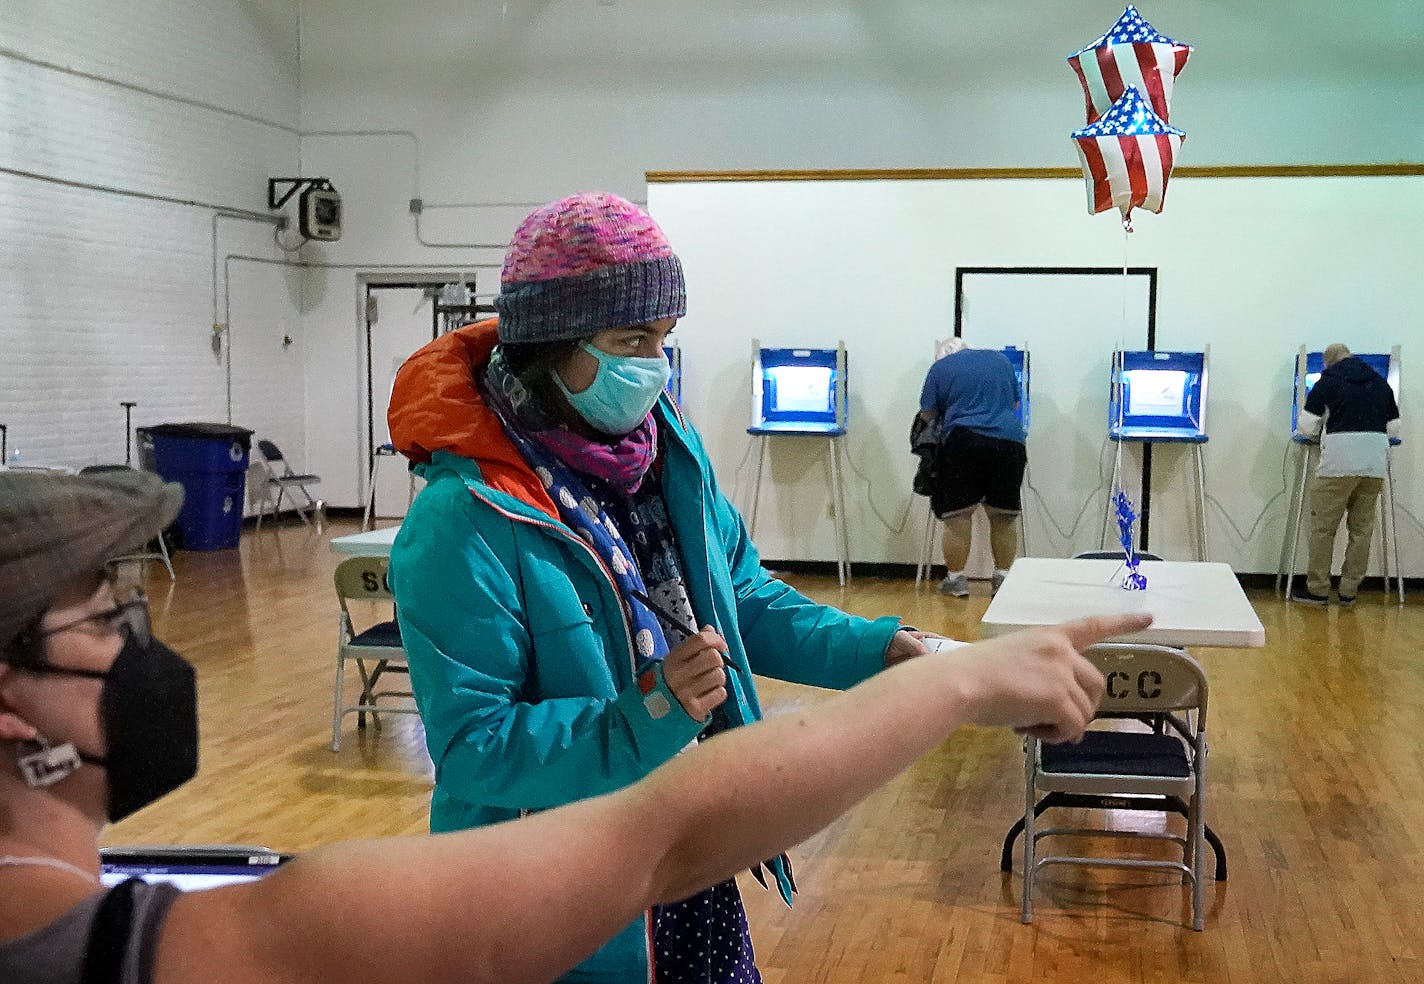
(1316, 787)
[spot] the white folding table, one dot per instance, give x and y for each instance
(1191, 603)
(372, 543)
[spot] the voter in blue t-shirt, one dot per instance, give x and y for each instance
(973, 396)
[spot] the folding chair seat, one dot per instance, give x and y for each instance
(1160, 770)
(376, 649)
(155, 549)
(277, 476)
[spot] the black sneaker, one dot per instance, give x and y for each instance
(1304, 597)
(1346, 601)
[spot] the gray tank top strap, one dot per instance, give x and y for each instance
(55, 954)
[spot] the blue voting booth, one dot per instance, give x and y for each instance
(799, 391)
(802, 392)
(673, 354)
(1018, 358)
(1308, 367)
(1159, 397)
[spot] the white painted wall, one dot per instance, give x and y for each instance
(106, 297)
(495, 106)
(1253, 267)
(510, 104)
(528, 99)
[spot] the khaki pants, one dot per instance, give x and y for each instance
(1330, 498)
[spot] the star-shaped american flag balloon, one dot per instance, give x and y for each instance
(1131, 53)
(1127, 156)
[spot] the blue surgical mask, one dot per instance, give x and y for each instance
(623, 390)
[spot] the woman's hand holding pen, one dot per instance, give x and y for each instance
(694, 672)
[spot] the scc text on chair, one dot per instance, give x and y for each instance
(376, 649)
(277, 476)
(1163, 769)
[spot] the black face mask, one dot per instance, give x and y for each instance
(149, 708)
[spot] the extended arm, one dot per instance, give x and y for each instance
(524, 900)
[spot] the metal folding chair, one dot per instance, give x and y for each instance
(1162, 770)
(280, 478)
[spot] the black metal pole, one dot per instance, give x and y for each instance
(4, 445)
(128, 406)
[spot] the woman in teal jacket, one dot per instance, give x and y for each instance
(549, 574)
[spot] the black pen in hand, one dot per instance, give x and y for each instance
(672, 622)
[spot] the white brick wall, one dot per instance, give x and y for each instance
(106, 298)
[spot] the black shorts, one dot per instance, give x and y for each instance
(974, 469)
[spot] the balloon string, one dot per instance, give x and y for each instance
(1126, 231)
(1122, 335)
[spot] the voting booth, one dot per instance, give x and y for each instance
(798, 390)
(1159, 397)
(1308, 367)
(673, 353)
(801, 393)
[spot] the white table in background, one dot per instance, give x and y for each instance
(372, 543)
(1191, 603)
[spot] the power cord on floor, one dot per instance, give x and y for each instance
(870, 499)
(898, 528)
(737, 471)
(1412, 518)
(1072, 531)
(1261, 516)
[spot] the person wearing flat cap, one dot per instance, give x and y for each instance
(98, 719)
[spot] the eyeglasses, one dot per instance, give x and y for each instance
(129, 616)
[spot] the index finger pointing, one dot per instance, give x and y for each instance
(1095, 628)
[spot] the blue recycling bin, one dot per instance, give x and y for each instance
(210, 462)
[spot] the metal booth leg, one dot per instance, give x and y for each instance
(842, 524)
(926, 559)
(1108, 506)
(1283, 570)
(1023, 522)
(1393, 531)
(1299, 516)
(756, 484)
(1200, 461)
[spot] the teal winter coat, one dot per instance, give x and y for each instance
(521, 656)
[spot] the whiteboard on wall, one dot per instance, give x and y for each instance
(1255, 266)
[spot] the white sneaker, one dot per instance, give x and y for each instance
(996, 581)
(954, 585)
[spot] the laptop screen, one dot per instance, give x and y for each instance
(191, 869)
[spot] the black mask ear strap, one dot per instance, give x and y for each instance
(67, 671)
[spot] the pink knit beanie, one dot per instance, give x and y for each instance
(585, 263)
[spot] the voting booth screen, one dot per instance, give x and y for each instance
(798, 389)
(1157, 394)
